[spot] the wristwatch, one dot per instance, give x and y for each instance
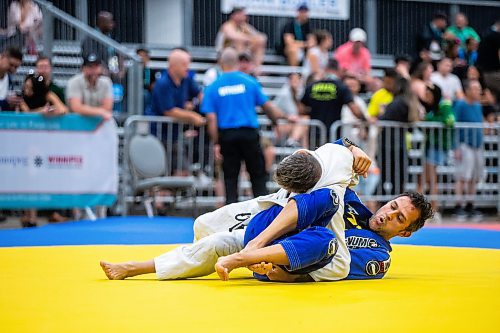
(348, 143)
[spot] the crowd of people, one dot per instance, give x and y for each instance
(454, 76)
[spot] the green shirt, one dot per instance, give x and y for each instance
(463, 34)
(444, 115)
(58, 91)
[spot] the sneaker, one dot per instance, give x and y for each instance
(460, 214)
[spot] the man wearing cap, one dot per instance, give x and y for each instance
(294, 36)
(354, 57)
(229, 104)
(90, 93)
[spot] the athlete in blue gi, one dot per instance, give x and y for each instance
(307, 245)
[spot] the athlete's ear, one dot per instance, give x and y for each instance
(404, 233)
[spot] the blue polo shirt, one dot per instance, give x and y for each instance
(233, 98)
(167, 95)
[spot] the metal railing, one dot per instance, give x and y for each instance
(66, 57)
(189, 152)
(423, 157)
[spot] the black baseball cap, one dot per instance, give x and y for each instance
(303, 7)
(91, 59)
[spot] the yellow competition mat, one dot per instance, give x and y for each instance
(427, 289)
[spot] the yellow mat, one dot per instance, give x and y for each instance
(428, 289)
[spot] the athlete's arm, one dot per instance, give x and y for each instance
(299, 213)
(278, 274)
(361, 162)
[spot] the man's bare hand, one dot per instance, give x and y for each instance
(278, 274)
(361, 162)
(198, 120)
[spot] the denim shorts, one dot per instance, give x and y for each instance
(436, 156)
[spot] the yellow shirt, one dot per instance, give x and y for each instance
(381, 97)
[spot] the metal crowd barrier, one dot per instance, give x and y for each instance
(190, 153)
(422, 157)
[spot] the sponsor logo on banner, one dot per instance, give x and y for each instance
(65, 161)
(356, 242)
(59, 161)
(14, 161)
(374, 267)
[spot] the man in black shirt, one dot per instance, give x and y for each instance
(488, 58)
(323, 99)
(294, 36)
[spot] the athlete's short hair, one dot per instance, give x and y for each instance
(420, 202)
(298, 173)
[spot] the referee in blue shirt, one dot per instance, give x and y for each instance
(229, 104)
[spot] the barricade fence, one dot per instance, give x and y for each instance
(190, 153)
(430, 158)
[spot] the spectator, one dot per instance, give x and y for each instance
(354, 58)
(469, 154)
(488, 100)
(38, 98)
(431, 37)
(175, 91)
(488, 59)
(238, 33)
(317, 56)
(384, 96)
(449, 83)
(462, 31)
(324, 99)
(229, 104)
(24, 25)
(89, 93)
(421, 79)
(149, 76)
(43, 67)
(403, 65)
(293, 44)
(403, 109)
(10, 60)
(245, 63)
(288, 100)
(438, 141)
(107, 55)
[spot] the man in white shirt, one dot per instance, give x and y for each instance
(449, 83)
(10, 60)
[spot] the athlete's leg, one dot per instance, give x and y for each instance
(185, 261)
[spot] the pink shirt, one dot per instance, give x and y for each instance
(359, 64)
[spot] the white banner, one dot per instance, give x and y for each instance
(332, 9)
(58, 162)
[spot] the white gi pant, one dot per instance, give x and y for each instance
(213, 240)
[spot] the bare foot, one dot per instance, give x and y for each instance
(225, 265)
(115, 271)
(263, 268)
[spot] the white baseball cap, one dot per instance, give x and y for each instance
(357, 35)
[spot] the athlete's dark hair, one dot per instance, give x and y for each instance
(420, 202)
(298, 173)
